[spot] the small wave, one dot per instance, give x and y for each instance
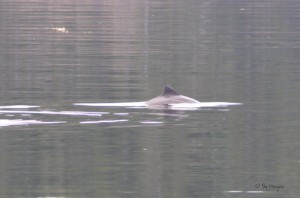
(206, 104)
(74, 113)
(181, 106)
(151, 122)
(17, 122)
(102, 121)
(18, 107)
(240, 191)
(117, 104)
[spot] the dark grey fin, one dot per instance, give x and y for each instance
(169, 91)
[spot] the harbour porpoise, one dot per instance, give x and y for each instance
(168, 97)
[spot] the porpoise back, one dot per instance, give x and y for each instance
(168, 97)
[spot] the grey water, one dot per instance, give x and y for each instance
(54, 54)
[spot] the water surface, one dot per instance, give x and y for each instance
(58, 53)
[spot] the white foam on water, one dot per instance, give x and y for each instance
(255, 191)
(234, 191)
(206, 104)
(240, 191)
(18, 107)
(121, 114)
(73, 113)
(117, 104)
(17, 122)
(102, 121)
(151, 122)
(181, 106)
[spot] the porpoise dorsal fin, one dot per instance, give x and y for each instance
(169, 91)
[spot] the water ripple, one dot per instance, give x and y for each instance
(18, 107)
(17, 122)
(73, 113)
(102, 121)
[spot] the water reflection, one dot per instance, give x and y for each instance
(178, 112)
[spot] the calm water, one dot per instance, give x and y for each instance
(57, 53)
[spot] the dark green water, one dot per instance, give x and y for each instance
(57, 53)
